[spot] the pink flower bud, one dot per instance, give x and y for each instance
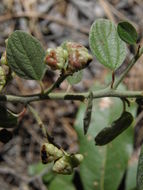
(56, 58)
(78, 56)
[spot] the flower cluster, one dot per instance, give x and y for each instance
(2, 78)
(5, 72)
(70, 57)
(64, 163)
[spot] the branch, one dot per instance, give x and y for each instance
(57, 83)
(130, 65)
(71, 96)
(39, 121)
(34, 14)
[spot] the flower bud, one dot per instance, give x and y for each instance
(3, 59)
(63, 166)
(2, 78)
(78, 56)
(67, 163)
(50, 153)
(76, 159)
(56, 58)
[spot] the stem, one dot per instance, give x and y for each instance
(39, 121)
(41, 86)
(57, 83)
(42, 126)
(21, 114)
(113, 79)
(130, 65)
(71, 96)
(124, 104)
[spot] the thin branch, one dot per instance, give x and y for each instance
(34, 14)
(130, 65)
(41, 86)
(71, 96)
(49, 138)
(39, 121)
(139, 118)
(57, 83)
(113, 79)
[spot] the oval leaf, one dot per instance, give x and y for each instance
(60, 182)
(25, 56)
(127, 32)
(106, 44)
(140, 171)
(107, 134)
(75, 78)
(88, 113)
(131, 173)
(103, 167)
(7, 119)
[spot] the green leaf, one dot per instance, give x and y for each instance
(127, 32)
(140, 171)
(108, 134)
(103, 167)
(60, 182)
(88, 113)
(131, 174)
(25, 56)
(7, 119)
(75, 78)
(106, 44)
(36, 168)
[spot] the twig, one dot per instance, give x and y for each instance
(124, 104)
(130, 65)
(107, 10)
(42, 87)
(57, 83)
(49, 138)
(31, 14)
(11, 171)
(113, 79)
(39, 121)
(71, 96)
(120, 15)
(21, 177)
(139, 117)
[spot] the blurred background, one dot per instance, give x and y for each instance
(53, 22)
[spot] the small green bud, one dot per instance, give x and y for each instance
(56, 58)
(2, 78)
(67, 163)
(50, 153)
(63, 166)
(3, 59)
(76, 159)
(6, 41)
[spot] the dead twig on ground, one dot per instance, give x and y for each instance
(60, 21)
